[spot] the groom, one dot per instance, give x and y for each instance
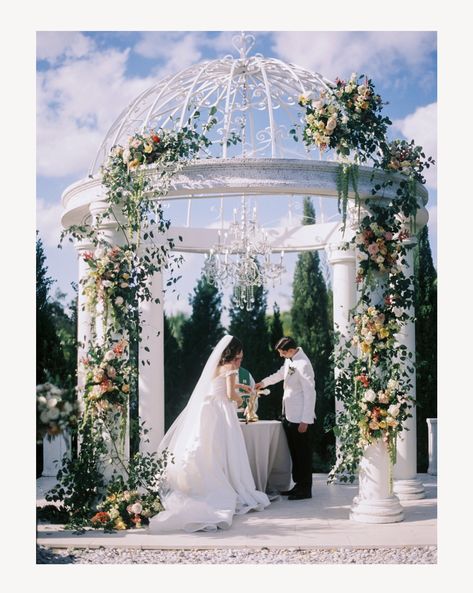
(298, 406)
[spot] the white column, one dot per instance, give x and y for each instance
(343, 265)
(376, 502)
(432, 428)
(53, 452)
(406, 485)
(151, 376)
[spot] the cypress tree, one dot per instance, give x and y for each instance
(425, 285)
(173, 395)
(200, 333)
(312, 331)
(276, 332)
(252, 329)
(50, 361)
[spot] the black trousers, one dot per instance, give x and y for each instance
(300, 448)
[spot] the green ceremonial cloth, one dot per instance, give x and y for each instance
(244, 377)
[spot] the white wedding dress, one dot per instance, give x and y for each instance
(210, 480)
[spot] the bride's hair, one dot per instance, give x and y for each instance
(231, 351)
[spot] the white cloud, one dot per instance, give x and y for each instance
(379, 54)
(48, 221)
(54, 45)
(422, 127)
(76, 104)
(177, 49)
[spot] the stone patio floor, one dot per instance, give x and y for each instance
(320, 522)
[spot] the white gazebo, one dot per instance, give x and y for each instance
(257, 98)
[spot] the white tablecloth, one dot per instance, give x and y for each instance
(268, 453)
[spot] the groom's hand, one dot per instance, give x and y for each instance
(259, 385)
(302, 427)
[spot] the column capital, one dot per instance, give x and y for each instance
(337, 253)
(84, 244)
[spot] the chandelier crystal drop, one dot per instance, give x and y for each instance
(242, 257)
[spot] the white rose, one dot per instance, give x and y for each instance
(124, 284)
(109, 355)
(393, 410)
(44, 417)
(126, 155)
(136, 508)
(332, 123)
(397, 311)
(52, 402)
(42, 400)
(53, 413)
(369, 338)
(345, 119)
(119, 301)
(370, 395)
(114, 513)
(68, 407)
(392, 384)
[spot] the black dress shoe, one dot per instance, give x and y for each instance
(288, 492)
(299, 496)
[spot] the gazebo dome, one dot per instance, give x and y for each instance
(255, 97)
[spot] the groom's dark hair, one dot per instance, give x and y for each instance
(285, 344)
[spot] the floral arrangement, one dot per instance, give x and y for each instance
(346, 117)
(378, 248)
(108, 281)
(125, 510)
(55, 413)
(406, 158)
(107, 377)
(375, 332)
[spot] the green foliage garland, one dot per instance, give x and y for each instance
(373, 369)
(135, 178)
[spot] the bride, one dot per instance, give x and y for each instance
(210, 479)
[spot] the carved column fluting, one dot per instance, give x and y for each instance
(406, 485)
(151, 373)
(343, 265)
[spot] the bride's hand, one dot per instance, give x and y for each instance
(238, 400)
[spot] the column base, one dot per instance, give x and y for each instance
(412, 489)
(383, 510)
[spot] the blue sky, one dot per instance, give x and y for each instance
(85, 79)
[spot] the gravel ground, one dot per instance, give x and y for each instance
(404, 555)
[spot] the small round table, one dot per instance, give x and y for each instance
(268, 453)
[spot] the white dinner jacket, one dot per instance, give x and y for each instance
(299, 388)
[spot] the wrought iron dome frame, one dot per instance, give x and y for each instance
(254, 97)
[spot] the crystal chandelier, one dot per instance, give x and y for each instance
(242, 257)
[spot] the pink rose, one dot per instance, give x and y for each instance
(373, 249)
